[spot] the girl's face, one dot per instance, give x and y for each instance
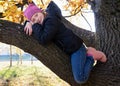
(37, 18)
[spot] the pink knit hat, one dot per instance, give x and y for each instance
(31, 10)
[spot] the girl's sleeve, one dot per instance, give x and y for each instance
(48, 31)
(37, 30)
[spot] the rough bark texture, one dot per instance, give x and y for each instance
(107, 14)
(87, 36)
(49, 55)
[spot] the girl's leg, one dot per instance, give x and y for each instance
(88, 66)
(78, 60)
(81, 66)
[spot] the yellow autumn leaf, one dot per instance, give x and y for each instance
(75, 6)
(2, 2)
(29, 1)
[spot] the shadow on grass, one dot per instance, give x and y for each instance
(9, 72)
(7, 75)
(28, 76)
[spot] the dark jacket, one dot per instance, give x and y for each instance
(53, 30)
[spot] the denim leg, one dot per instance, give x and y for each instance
(88, 66)
(78, 60)
(81, 65)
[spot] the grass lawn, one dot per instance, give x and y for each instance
(29, 75)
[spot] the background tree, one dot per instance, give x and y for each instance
(107, 15)
(10, 55)
(19, 52)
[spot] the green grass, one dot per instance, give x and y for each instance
(29, 76)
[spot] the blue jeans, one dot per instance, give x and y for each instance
(81, 65)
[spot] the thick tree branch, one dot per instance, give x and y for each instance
(87, 36)
(50, 55)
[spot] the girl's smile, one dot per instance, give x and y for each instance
(37, 18)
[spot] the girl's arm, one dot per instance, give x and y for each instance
(48, 31)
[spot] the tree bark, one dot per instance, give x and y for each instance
(107, 15)
(50, 55)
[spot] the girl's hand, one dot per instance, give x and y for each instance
(28, 28)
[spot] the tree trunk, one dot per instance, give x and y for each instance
(20, 57)
(10, 55)
(107, 15)
(49, 55)
(31, 59)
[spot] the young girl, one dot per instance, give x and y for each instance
(47, 27)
